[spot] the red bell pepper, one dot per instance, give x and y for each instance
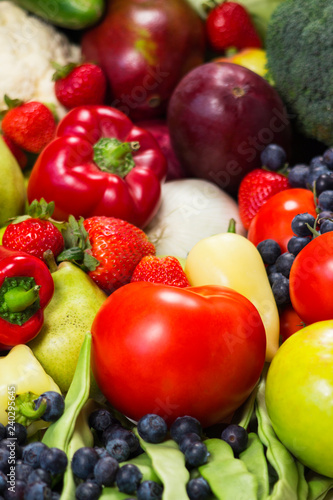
(26, 287)
(100, 163)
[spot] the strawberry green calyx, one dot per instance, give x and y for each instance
(114, 156)
(63, 70)
(25, 412)
(19, 299)
(77, 246)
(11, 104)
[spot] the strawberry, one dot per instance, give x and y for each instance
(108, 249)
(230, 25)
(255, 189)
(79, 85)
(34, 233)
(29, 125)
(16, 151)
(166, 270)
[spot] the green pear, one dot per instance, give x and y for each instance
(67, 318)
(12, 187)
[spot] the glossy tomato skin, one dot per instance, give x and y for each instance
(290, 322)
(273, 220)
(195, 351)
(311, 280)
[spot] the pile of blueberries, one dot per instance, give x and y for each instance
(39, 469)
(318, 177)
(102, 465)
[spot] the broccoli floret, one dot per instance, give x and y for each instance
(299, 49)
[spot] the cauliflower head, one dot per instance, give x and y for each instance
(28, 47)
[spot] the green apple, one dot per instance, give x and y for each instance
(299, 396)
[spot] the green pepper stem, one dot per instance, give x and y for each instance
(114, 156)
(18, 299)
(28, 411)
(232, 226)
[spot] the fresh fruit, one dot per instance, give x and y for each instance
(30, 125)
(34, 233)
(290, 322)
(145, 48)
(18, 153)
(253, 59)
(118, 246)
(299, 399)
(221, 116)
(166, 270)
(79, 84)
(67, 318)
(273, 219)
(12, 187)
(255, 189)
(230, 25)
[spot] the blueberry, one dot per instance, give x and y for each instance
(236, 436)
(269, 250)
(299, 224)
(196, 454)
(40, 475)
(280, 289)
(18, 431)
(328, 158)
(187, 440)
(102, 452)
(273, 277)
(271, 269)
(4, 460)
(284, 263)
(297, 243)
(298, 175)
(198, 489)
(89, 490)
(325, 200)
(317, 162)
(324, 183)
(149, 490)
(12, 446)
(22, 471)
(314, 173)
(152, 428)
(101, 419)
(273, 157)
(118, 449)
(325, 214)
(3, 481)
(84, 461)
(54, 461)
(105, 471)
(183, 425)
(128, 478)
(119, 432)
(19, 492)
(55, 405)
(326, 226)
(37, 491)
(2, 431)
(31, 453)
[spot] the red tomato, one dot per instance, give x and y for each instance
(290, 322)
(311, 280)
(195, 351)
(273, 220)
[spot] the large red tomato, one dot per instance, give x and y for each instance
(195, 351)
(273, 219)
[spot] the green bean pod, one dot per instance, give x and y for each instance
(255, 461)
(226, 475)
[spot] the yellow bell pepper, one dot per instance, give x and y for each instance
(21, 373)
(229, 259)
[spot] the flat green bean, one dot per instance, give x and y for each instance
(226, 475)
(145, 465)
(319, 487)
(255, 461)
(302, 487)
(169, 464)
(285, 488)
